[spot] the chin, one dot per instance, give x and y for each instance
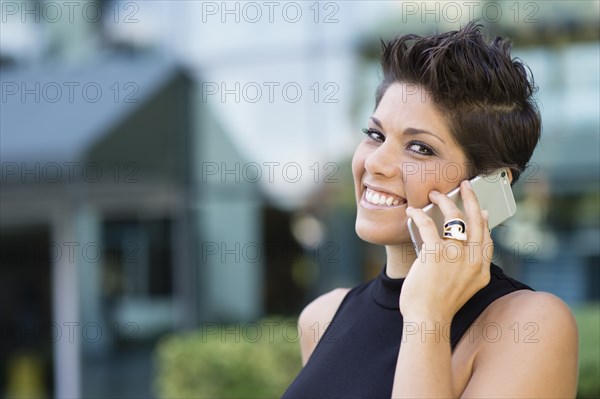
(381, 233)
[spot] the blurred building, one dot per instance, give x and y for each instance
(91, 225)
(115, 221)
(102, 216)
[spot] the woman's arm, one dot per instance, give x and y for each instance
(440, 281)
(536, 351)
(423, 369)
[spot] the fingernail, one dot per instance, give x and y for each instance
(409, 209)
(468, 184)
(434, 192)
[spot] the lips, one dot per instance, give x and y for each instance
(382, 198)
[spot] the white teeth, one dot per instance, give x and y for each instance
(380, 199)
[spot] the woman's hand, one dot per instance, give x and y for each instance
(447, 272)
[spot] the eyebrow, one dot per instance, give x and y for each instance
(409, 130)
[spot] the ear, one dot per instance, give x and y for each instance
(510, 177)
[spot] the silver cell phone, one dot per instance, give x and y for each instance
(494, 194)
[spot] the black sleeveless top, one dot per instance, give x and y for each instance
(356, 356)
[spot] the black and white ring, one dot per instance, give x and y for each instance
(455, 229)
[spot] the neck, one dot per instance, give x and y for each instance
(399, 259)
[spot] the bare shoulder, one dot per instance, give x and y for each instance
(315, 317)
(529, 344)
(544, 309)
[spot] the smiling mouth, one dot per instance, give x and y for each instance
(382, 199)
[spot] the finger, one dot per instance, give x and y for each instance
(475, 222)
(486, 221)
(427, 228)
(446, 205)
(488, 244)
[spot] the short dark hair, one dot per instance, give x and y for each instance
(485, 95)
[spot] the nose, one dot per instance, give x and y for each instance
(384, 161)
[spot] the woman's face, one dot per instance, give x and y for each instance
(407, 152)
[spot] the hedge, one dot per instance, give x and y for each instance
(243, 360)
(588, 321)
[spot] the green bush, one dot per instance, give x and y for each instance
(588, 322)
(252, 360)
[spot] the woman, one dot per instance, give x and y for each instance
(447, 323)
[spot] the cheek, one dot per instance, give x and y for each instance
(418, 185)
(358, 165)
(417, 190)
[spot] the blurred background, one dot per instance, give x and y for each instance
(176, 182)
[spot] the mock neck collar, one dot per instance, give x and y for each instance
(386, 290)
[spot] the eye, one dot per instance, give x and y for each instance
(420, 148)
(374, 135)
